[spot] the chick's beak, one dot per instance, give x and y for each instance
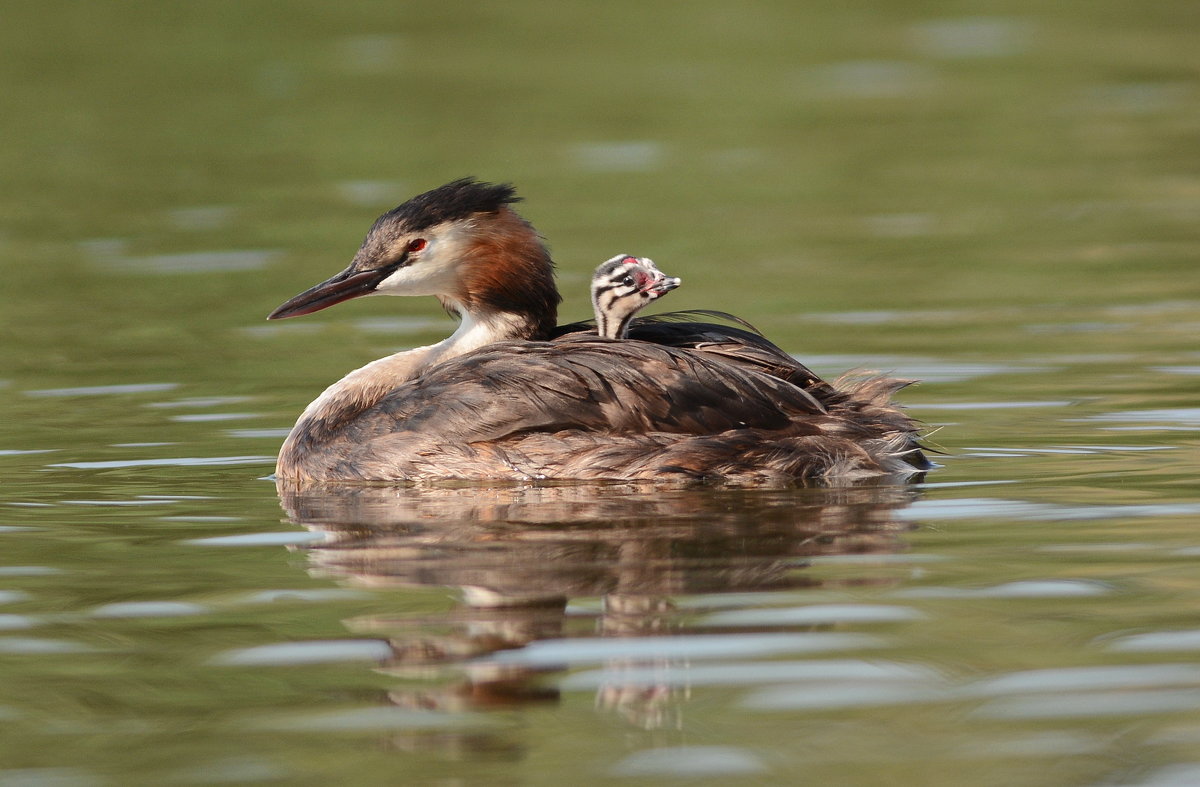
(342, 287)
(664, 285)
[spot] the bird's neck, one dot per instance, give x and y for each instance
(612, 326)
(507, 275)
(477, 328)
(611, 323)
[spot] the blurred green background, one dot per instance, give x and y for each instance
(1000, 198)
(783, 158)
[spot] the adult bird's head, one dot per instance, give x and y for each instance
(460, 242)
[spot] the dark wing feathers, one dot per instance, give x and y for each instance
(689, 317)
(745, 349)
(689, 400)
(611, 387)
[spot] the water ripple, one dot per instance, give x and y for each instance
(1046, 588)
(1052, 743)
(744, 673)
(1086, 678)
(35, 646)
(281, 432)
(972, 37)
(996, 508)
(370, 53)
(587, 650)
(149, 609)
(307, 595)
(115, 502)
(926, 370)
(822, 696)
(400, 326)
(1071, 450)
(15, 622)
(202, 401)
(634, 156)
(105, 390)
(374, 718)
(313, 652)
(690, 761)
(369, 193)
(992, 405)
(1180, 775)
(1158, 641)
(208, 417)
(1173, 416)
(867, 79)
(271, 539)
(815, 614)
(49, 777)
(195, 262)
(29, 571)
(189, 461)
(201, 217)
(1091, 704)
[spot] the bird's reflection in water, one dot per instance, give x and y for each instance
(531, 561)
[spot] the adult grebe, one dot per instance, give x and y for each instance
(623, 286)
(511, 395)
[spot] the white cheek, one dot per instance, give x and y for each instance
(423, 277)
(434, 270)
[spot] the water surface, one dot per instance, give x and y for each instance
(1002, 206)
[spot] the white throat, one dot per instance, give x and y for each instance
(475, 330)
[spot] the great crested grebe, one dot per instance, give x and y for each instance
(512, 395)
(623, 286)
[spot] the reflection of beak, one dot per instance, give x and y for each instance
(663, 286)
(346, 285)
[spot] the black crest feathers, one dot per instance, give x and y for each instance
(455, 200)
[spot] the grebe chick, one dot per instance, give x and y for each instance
(623, 286)
(512, 395)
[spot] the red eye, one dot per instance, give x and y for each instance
(416, 245)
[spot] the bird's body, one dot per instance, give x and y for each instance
(513, 396)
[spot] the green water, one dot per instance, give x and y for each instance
(1003, 202)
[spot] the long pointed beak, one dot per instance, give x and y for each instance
(342, 287)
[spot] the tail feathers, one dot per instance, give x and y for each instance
(866, 401)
